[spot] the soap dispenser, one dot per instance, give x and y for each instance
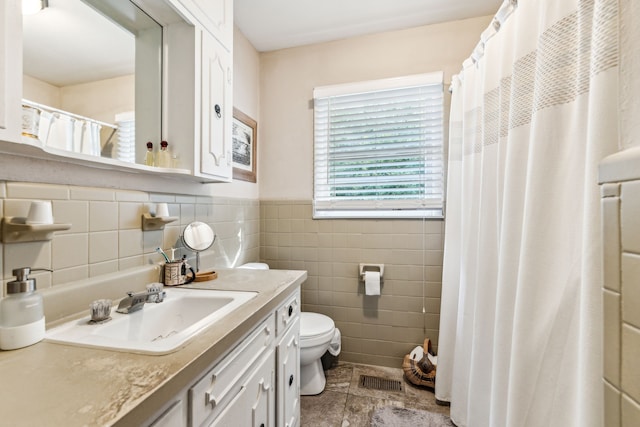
(21, 312)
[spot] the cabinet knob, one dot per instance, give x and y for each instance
(218, 111)
(290, 310)
(262, 425)
(290, 380)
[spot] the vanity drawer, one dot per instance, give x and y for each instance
(209, 396)
(288, 312)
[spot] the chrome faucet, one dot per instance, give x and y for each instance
(135, 301)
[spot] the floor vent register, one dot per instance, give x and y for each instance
(378, 383)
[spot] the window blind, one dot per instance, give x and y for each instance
(378, 148)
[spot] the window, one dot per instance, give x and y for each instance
(378, 148)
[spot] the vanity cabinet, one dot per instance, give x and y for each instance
(256, 384)
(288, 355)
(10, 71)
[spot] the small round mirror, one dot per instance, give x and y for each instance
(198, 237)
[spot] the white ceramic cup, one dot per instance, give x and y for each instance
(40, 212)
(162, 210)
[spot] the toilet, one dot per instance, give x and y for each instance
(318, 333)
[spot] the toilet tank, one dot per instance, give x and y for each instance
(255, 266)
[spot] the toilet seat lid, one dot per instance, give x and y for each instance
(313, 324)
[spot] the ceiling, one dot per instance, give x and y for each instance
(277, 24)
(60, 43)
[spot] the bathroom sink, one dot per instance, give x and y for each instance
(157, 328)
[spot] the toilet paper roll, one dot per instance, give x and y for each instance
(372, 283)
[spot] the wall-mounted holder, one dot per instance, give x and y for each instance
(150, 222)
(371, 267)
(16, 230)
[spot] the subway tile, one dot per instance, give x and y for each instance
(630, 216)
(187, 213)
(151, 240)
(92, 193)
(162, 198)
(294, 226)
(324, 226)
(284, 226)
(630, 372)
(612, 408)
(72, 212)
(103, 246)
(70, 250)
(3, 189)
(16, 207)
(129, 243)
(631, 289)
(630, 412)
(103, 216)
(185, 199)
(130, 262)
(171, 237)
(30, 254)
(611, 341)
(25, 190)
(130, 215)
(132, 196)
(611, 243)
(311, 226)
(285, 211)
(101, 268)
(68, 275)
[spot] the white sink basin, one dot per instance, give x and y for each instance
(157, 328)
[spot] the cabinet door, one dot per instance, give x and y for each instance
(172, 417)
(217, 110)
(289, 377)
(10, 70)
(254, 403)
(261, 391)
(216, 16)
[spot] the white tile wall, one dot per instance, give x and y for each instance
(621, 303)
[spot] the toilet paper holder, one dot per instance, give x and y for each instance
(371, 267)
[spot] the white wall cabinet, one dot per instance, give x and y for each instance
(217, 109)
(216, 16)
(197, 110)
(10, 70)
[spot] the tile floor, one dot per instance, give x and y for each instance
(344, 404)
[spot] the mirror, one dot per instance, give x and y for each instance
(93, 74)
(198, 236)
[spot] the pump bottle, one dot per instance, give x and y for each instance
(21, 312)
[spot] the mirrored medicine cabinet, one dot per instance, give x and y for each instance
(92, 78)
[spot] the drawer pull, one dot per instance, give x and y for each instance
(290, 380)
(264, 387)
(290, 310)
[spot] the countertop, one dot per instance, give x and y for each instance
(49, 384)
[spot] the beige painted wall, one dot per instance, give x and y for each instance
(287, 79)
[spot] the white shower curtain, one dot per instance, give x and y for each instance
(533, 111)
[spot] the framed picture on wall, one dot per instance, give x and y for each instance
(245, 145)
